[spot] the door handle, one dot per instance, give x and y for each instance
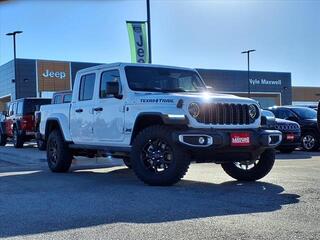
(98, 109)
(79, 110)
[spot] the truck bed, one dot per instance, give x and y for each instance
(55, 111)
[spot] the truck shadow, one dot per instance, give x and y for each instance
(39, 202)
(297, 155)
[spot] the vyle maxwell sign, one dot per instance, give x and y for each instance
(138, 42)
(53, 75)
(265, 82)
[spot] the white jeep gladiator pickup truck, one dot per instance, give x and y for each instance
(158, 119)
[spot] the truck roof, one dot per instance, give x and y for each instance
(30, 98)
(118, 64)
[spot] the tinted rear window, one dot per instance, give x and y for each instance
(31, 105)
(57, 99)
(67, 98)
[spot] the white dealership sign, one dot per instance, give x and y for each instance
(52, 74)
(264, 81)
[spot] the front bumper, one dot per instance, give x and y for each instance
(215, 144)
(286, 143)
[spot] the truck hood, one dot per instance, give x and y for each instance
(173, 98)
(284, 121)
(309, 122)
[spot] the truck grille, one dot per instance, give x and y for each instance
(286, 127)
(229, 114)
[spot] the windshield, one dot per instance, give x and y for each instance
(305, 113)
(157, 79)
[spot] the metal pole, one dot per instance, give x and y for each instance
(149, 30)
(248, 57)
(14, 58)
(13, 34)
(14, 46)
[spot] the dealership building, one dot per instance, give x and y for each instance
(40, 78)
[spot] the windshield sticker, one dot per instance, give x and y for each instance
(157, 100)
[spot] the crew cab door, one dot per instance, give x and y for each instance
(81, 114)
(108, 111)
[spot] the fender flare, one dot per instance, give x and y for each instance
(48, 121)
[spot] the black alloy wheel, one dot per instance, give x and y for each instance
(52, 152)
(59, 156)
(156, 155)
(156, 158)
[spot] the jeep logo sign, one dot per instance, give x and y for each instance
(53, 76)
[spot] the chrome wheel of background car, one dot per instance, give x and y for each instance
(157, 155)
(53, 151)
(308, 142)
(246, 165)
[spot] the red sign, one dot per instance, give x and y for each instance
(290, 137)
(241, 139)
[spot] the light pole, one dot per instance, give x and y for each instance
(248, 54)
(13, 34)
(149, 30)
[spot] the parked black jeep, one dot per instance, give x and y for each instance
(290, 130)
(307, 119)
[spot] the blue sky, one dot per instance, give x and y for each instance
(202, 34)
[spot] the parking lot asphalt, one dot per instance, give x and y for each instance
(102, 199)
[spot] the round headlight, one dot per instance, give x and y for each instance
(194, 110)
(253, 111)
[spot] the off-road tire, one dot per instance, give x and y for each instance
(3, 140)
(260, 170)
(42, 146)
(59, 156)
(316, 141)
(179, 163)
(17, 139)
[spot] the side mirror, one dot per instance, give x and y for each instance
(113, 88)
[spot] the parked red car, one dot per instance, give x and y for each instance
(19, 124)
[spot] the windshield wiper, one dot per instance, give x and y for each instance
(160, 90)
(173, 90)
